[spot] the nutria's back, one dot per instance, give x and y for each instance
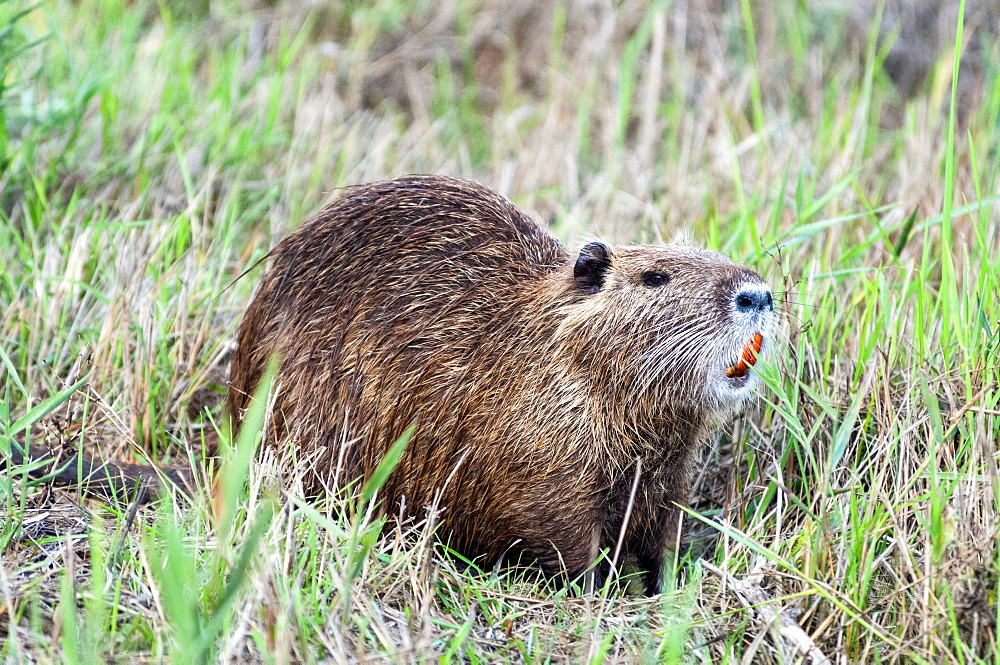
(403, 259)
(538, 385)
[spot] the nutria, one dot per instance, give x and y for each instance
(551, 398)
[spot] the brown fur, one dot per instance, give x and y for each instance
(541, 388)
(435, 302)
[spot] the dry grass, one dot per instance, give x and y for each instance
(149, 158)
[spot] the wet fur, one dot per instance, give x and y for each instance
(434, 302)
(538, 384)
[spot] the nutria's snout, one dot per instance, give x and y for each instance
(754, 300)
(753, 319)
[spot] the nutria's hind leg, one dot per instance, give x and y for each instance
(569, 553)
(563, 562)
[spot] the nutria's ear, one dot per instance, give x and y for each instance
(593, 263)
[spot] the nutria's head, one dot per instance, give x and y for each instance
(671, 327)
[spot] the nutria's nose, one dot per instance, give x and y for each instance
(754, 301)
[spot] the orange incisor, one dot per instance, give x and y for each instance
(748, 358)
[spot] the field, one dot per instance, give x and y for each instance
(150, 153)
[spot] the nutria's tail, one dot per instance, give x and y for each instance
(108, 480)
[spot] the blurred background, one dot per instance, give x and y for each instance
(634, 118)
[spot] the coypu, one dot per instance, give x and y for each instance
(553, 399)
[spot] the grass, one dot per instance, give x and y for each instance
(150, 153)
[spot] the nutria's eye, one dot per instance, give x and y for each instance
(655, 278)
